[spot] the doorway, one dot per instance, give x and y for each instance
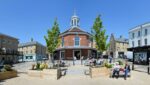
(62, 55)
(77, 54)
(120, 54)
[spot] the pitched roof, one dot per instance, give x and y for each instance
(75, 30)
(29, 44)
(139, 26)
(120, 39)
(1, 34)
(123, 40)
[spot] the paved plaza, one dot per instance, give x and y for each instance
(75, 76)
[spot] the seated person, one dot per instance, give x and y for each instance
(87, 60)
(93, 61)
(62, 63)
(99, 61)
(126, 70)
(116, 69)
(90, 61)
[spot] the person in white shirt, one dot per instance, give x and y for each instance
(82, 60)
(74, 59)
(99, 61)
(116, 69)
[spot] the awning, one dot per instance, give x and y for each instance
(140, 48)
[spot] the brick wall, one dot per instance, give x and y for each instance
(69, 54)
(84, 52)
(69, 40)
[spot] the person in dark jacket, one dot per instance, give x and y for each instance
(126, 70)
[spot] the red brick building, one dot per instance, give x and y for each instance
(75, 42)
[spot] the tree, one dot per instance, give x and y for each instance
(52, 40)
(99, 35)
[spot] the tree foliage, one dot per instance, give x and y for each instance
(99, 35)
(52, 38)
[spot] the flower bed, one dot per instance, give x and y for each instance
(8, 74)
(41, 70)
(45, 73)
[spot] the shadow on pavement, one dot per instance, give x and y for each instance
(140, 71)
(22, 72)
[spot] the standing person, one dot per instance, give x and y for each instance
(110, 59)
(82, 60)
(74, 59)
(116, 69)
(126, 70)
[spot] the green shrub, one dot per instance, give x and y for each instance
(108, 65)
(43, 66)
(7, 68)
(120, 62)
(3, 70)
(38, 66)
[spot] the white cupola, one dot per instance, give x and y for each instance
(74, 21)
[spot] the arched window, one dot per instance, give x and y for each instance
(72, 22)
(77, 40)
(75, 22)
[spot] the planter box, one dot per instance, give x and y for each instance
(46, 73)
(8, 74)
(49, 73)
(99, 72)
(35, 73)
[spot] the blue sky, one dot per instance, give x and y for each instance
(24, 19)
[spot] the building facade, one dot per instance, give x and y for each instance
(32, 51)
(118, 46)
(8, 49)
(75, 42)
(139, 42)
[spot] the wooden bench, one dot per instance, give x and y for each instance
(121, 73)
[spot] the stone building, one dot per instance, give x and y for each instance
(32, 51)
(118, 46)
(75, 42)
(8, 49)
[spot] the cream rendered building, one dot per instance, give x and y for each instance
(32, 51)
